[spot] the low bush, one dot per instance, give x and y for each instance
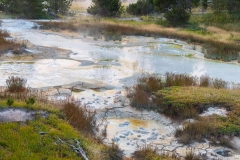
(30, 101)
(10, 101)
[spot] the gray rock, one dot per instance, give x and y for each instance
(223, 152)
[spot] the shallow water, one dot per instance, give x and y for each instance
(132, 133)
(131, 56)
(17, 115)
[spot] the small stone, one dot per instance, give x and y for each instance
(124, 124)
(116, 139)
(42, 133)
(223, 152)
(119, 92)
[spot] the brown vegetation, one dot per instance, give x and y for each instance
(6, 45)
(146, 153)
(16, 84)
(79, 116)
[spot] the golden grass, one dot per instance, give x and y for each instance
(181, 96)
(6, 45)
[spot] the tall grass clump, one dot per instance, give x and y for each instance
(141, 93)
(79, 116)
(16, 84)
(6, 45)
(172, 79)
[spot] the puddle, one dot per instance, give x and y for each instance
(129, 133)
(218, 111)
(18, 115)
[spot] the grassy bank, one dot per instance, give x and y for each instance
(181, 96)
(66, 127)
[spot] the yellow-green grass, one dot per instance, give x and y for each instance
(192, 96)
(21, 140)
(36, 106)
(188, 102)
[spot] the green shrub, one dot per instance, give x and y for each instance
(177, 16)
(141, 7)
(30, 101)
(108, 8)
(10, 101)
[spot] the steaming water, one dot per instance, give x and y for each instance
(112, 63)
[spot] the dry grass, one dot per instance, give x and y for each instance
(147, 153)
(79, 116)
(6, 45)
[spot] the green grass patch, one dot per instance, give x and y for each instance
(23, 141)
